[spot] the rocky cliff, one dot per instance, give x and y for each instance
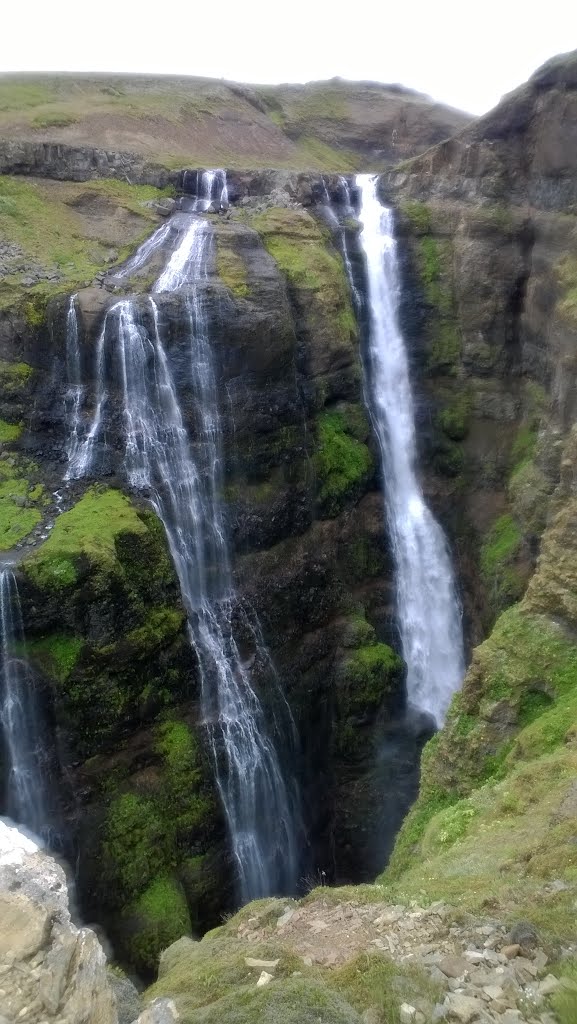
(487, 231)
(51, 970)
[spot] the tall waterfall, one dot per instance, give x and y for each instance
(25, 797)
(428, 609)
(183, 487)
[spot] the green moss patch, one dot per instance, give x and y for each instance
(14, 378)
(137, 843)
(88, 531)
(21, 500)
(498, 562)
(231, 268)
(315, 274)
(182, 777)
(160, 916)
(9, 432)
(44, 219)
(56, 654)
(370, 673)
(343, 464)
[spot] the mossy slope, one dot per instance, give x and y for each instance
(494, 823)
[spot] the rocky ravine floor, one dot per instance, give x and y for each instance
(480, 972)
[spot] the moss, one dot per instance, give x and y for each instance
(314, 272)
(20, 501)
(89, 530)
(161, 624)
(14, 378)
(343, 464)
(370, 981)
(445, 347)
(455, 415)
(159, 917)
(497, 560)
(418, 214)
(182, 777)
(366, 677)
(231, 268)
(56, 654)
(370, 672)
(357, 632)
(523, 447)
(137, 844)
(9, 432)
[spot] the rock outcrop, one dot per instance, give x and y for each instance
(50, 970)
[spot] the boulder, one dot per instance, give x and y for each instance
(51, 969)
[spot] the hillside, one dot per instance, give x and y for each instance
(335, 125)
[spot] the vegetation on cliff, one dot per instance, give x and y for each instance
(60, 235)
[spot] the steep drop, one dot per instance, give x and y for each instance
(183, 487)
(428, 610)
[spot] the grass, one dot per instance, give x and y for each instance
(21, 498)
(89, 529)
(44, 219)
(231, 268)
(57, 654)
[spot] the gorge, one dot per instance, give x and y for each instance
(284, 452)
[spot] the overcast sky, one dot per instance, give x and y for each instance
(464, 54)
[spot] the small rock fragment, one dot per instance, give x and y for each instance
(408, 1013)
(264, 979)
(549, 985)
(454, 966)
(285, 917)
(463, 1008)
(270, 964)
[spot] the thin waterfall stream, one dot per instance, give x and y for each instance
(25, 799)
(428, 608)
(183, 484)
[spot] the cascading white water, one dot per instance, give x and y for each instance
(25, 797)
(428, 609)
(259, 807)
(75, 390)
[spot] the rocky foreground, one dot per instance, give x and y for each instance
(348, 961)
(50, 970)
(335, 958)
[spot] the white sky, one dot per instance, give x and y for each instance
(464, 54)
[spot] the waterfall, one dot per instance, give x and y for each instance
(25, 769)
(427, 605)
(183, 488)
(75, 391)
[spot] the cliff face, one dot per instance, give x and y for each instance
(104, 622)
(486, 226)
(495, 819)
